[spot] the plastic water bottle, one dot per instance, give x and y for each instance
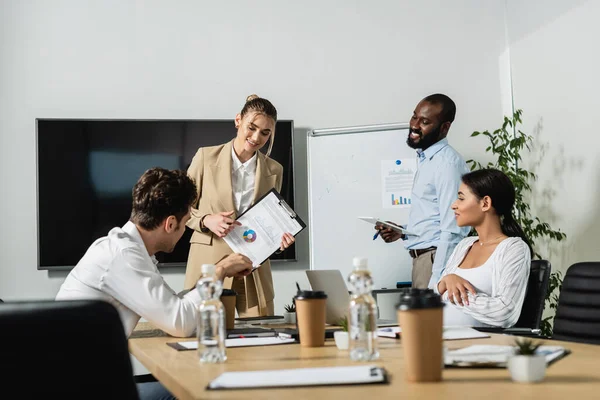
(211, 317)
(362, 320)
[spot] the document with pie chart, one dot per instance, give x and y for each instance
(262, 227)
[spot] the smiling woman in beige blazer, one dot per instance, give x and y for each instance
(230, 177)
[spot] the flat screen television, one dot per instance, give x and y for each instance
(86, 170)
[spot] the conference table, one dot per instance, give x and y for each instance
(575, 376)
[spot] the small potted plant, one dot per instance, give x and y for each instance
(341, 337)
(289, 316)
(526, 365)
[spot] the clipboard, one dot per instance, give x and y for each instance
(391, 225)
(298, 377)
(271, 208)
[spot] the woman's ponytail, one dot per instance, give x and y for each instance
(511, 228)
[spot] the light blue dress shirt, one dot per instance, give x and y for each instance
(435, 188)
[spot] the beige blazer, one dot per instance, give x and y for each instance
(211, 169)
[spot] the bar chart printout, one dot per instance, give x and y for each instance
(397, 178)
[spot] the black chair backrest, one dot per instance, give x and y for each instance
(65, 349)
(535, 297)
(578, 312)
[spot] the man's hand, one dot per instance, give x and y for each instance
(388, 234)
(220, 224)
(458, 289)
(236, 265)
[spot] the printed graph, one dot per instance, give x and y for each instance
(400, 200)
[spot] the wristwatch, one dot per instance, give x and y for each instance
(203, 228)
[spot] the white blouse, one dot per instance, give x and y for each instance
(118, 269)
(243, 176)
(501, 307)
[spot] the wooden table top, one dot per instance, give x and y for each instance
(575, 376)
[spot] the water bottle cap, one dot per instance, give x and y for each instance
(208, 269)
(360, 263)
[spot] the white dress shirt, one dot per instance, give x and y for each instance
(431, 219)
(118, 269)
(243, 176)
(510, 265)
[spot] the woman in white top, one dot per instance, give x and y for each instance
(230, 177)
(486, 276)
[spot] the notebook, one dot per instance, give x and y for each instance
(450, 333)
(496, 356)
(239, 342)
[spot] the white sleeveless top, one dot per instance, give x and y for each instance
(481, 278)
(500, 282)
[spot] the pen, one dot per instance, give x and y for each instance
(375, 235)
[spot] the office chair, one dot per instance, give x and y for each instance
(578, 311)
(535, 297)
(65, 349)
(530, 320)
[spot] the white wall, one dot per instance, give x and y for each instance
(555, 60)
(322, 63)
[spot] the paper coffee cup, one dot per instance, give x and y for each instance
(420, 315)
(310, 317)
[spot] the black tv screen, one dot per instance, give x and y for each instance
(87, 169)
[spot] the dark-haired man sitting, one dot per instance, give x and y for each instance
(121, 269)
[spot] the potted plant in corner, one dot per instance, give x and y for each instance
(289, 316)
(341, 337)
(526, 365)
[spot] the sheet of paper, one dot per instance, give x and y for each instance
(245, 342)
(450, 333)
(494, 354)
(262, 227)
(300, 377)
(397, 178)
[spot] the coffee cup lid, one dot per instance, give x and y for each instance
(310, 294)
(228, 292)
(413, 298)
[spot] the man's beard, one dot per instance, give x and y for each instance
(424, 141)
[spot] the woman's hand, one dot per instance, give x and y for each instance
(220, 224)
(236, 265)
(286, 241)
(458, 289)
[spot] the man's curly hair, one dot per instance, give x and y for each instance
(160, 193)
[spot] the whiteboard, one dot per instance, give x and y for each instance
(345, 182)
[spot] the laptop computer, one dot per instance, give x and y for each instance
(333, 284)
